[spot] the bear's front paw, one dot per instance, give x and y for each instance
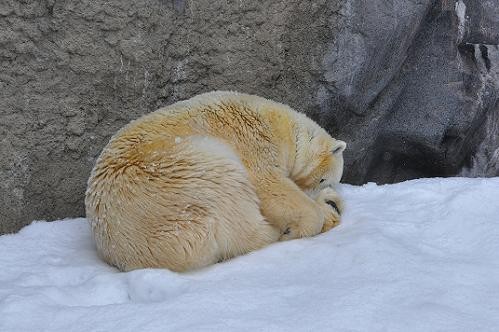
(309, 223)
(297, 231)
(332, 207)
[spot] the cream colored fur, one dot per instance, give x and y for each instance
(210, 178)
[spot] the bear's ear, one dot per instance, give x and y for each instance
(338, 147)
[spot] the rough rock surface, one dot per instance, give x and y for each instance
(410, 84)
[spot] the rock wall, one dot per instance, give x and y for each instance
(410, 85)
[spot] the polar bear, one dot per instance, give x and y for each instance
(210, 178)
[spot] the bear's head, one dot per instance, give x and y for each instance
(319, 159)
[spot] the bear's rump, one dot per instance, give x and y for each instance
(182, 210)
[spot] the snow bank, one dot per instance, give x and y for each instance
(421, 255)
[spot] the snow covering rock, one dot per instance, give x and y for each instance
(415, 256)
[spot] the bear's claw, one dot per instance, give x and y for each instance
(334, 206)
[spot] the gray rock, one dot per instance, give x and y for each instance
(411, 85)
(414, 100)
(481, 21)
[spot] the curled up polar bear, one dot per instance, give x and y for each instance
(210, 178)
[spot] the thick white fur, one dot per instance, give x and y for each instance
(211, 178)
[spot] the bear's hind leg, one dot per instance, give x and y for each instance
(214, 212)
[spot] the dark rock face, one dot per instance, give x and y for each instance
(414, 101)
(481, 24)
(410, 85)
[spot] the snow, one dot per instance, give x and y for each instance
(421, 255)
